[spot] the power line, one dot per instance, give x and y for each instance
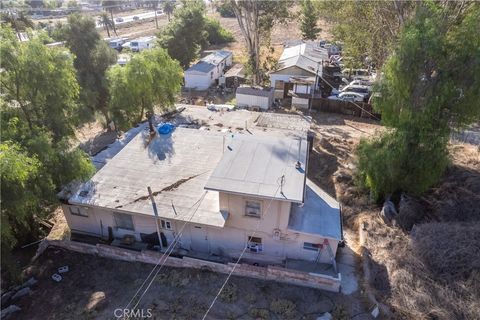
(168, 252)
(282, 181)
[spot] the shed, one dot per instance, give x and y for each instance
(208, 70)
(254, 97)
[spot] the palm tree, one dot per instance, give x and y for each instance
(110, 5)
(168, 8)
(106, 22)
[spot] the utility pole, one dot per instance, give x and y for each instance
(155, 211)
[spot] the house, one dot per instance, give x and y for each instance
(208, 70)
(254, 97)
(219, 193)
(301, 60)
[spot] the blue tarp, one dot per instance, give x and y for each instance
(166, 128)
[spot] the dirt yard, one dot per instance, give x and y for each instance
(94, 287)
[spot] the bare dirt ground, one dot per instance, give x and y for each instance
(94, 287)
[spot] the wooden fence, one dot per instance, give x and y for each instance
(358, 109)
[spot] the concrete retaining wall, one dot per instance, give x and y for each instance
(313, 280)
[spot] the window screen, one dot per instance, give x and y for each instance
(123, 221)
(253, 208)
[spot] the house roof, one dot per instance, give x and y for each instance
(319, 215)
(306, 56)
(176, 167)
(261, 92)
(216, 57)
(261, 167)
(201, 66)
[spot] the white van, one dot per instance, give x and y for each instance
(143, 43)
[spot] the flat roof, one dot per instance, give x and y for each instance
(319, 215)
(176, 167)
(254, 166)
(253, 91)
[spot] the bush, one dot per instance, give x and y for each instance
(216, 33)
(284, 308)
(229, 293)
(407, 161)
(225, 9)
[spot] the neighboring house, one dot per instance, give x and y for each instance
(208, 70)
(304, 60)
(254, 97)
(219, 192)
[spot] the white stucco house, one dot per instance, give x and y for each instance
(218, 192)
(208, 70)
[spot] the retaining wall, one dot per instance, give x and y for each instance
(313, 280)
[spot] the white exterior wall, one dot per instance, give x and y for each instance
(253, 101)
(229, 240)
(200, 81)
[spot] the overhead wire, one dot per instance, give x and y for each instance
(167, 252)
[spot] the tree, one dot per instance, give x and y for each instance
(151, 79)
(92, 58)
(428, 88)
(256, 20)
(38, 108)
(368, 29)
(106, 22)
(110, 6)
(185, 35)
(216, 33)
(308, 21)
(40, 82)
(168, 8)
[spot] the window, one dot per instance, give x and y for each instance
(166, 224)
(253, 209)
(211, 75)
(310, 246)
(255, 244)
(123, 221)
(77, 211)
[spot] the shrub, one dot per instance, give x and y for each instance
(216, 33)
(284, 308)
(229, 293)
(401, 161)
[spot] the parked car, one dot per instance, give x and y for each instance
(363, 90)
(159, 11)
(348, 96)
(135, 18)
(357, 74)
(359, 82)
(119, 20)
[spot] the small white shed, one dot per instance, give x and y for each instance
(254, 97)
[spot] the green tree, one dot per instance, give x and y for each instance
(41, 82)
(428, 88)
(150, 79)
(168, 8)
(38, 108)
(308, 20)
(216, 33)
(185, 36)
(106, 22)
(110, 6)
(256, 20)
(92, 58)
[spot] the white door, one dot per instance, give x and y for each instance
(199, 238)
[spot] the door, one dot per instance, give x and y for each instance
(199, 238)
